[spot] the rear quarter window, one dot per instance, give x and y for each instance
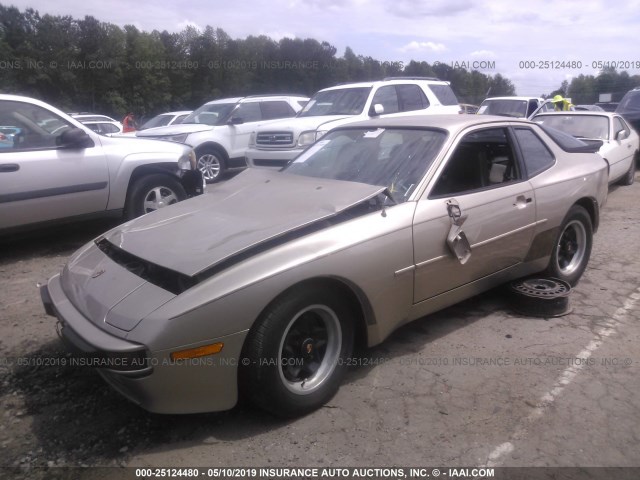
(537, 157)
(444, 94)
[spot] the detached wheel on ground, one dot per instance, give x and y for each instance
(294, 357)
(540, 297)
(573, 247)
(151, 192)
(630, 176)
(211, 163)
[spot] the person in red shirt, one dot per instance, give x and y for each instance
(129, 123)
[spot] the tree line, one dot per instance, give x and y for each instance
(89, 65)
(586, 89)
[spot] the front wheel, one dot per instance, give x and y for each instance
(572, 249)
(211, 163)
(295, 355)
(151, 192)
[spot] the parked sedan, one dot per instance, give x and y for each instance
(165, 119)
(620, 143)
(104, 128)
(262, 286)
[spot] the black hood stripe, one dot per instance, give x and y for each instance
(176, 282)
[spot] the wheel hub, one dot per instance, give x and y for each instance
(308, 348)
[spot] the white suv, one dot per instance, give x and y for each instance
(273, 145)
(219, 131)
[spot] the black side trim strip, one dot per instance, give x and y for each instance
(51, 192)
(9, 167)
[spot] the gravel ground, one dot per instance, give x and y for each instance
(408, 409)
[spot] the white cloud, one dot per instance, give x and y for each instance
(415, 46)
(483, 54)
(189, 23)
(277, 35)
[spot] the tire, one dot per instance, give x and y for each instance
(211, 162)
(630, 176)
(294, 357)
(572, 249)
(151, 192)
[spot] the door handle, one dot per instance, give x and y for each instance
(9, 167)
(522, 201)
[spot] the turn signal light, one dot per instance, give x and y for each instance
(198, 352)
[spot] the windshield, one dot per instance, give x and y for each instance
(508, 108)
(579, 126)
(386, 157)
(342, 101)
(211, 114)
(157, 121)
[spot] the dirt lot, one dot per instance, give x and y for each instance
(472, 385)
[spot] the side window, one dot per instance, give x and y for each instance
(35, 127)
(387, 97)
(179, 118)
(276, 109)
(249, 112)
(537, 156)
(109, 128)
(444, 94)
(411, 97)
(618, 125)
(483, 159)
(533, 105)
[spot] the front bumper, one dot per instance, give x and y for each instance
(152, 380)
(193, 182)
(270, 158)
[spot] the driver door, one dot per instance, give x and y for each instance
(40, 181)
(482, 186)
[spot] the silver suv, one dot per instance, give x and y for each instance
(52, 167)
(219, 131)
(273, 145)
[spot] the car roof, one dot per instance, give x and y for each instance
(182, 112)
(396, 80)
(257, 98)
(453, 122)
(512, 98)
(579, 113)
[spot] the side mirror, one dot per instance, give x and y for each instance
(376, 110)
(621, 134)
(74, 138)
(236, 121)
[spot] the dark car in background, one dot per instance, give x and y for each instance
(629, 108)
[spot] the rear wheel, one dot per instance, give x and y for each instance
(152, 192)
(630, 176)
(573, 247)
(294, 357)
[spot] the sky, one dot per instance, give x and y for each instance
(536, 44)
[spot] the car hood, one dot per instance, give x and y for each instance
(302, 124)
(133, 145)
(178, 129)
(254, 209)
